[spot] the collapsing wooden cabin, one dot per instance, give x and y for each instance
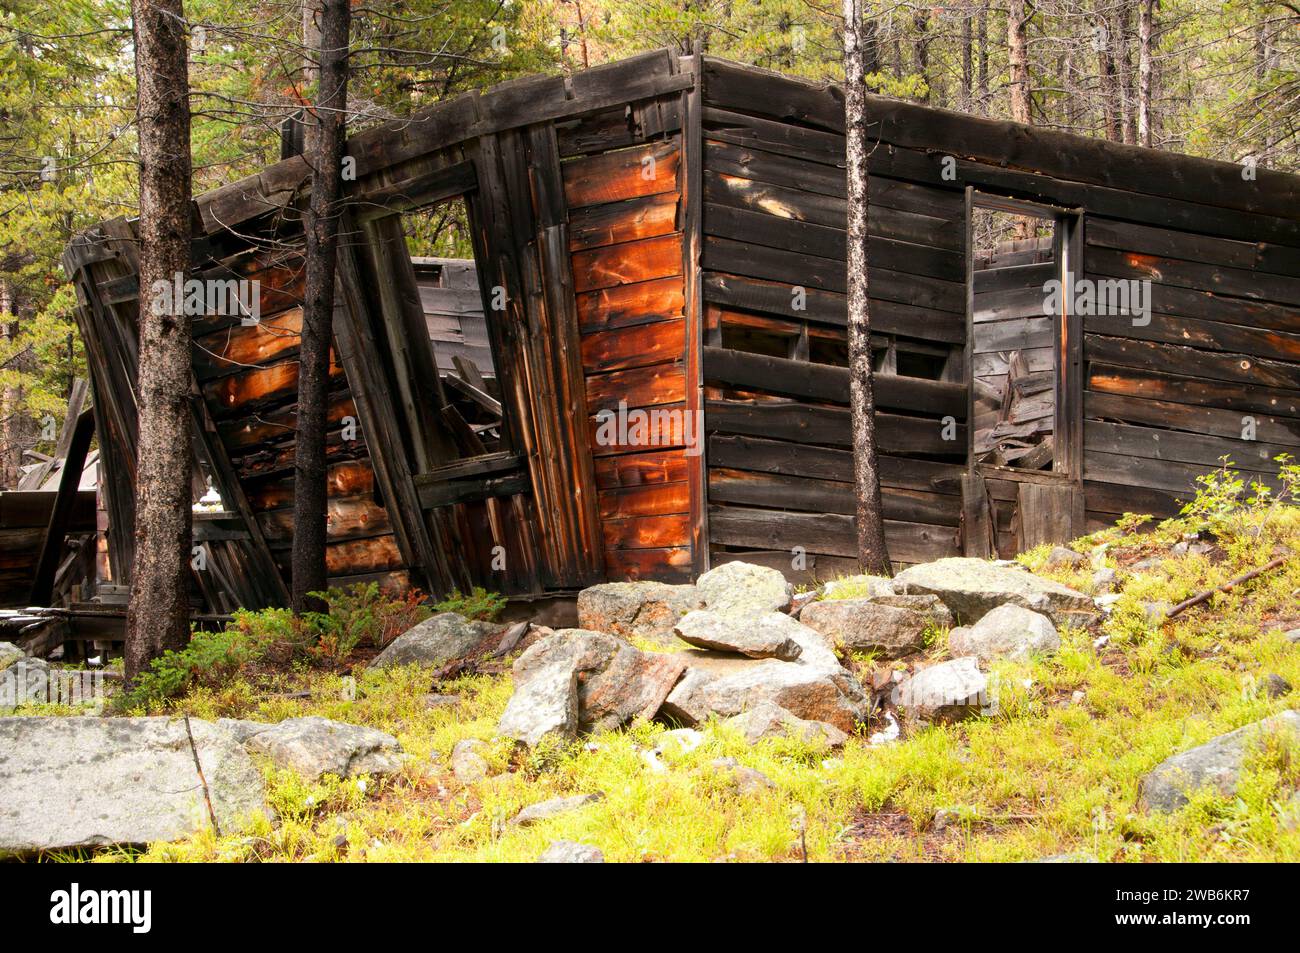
(660, 256)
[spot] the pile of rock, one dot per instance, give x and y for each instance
(744, 649)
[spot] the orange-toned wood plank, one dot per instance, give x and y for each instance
(238, 346)
(630, 262)
(640, 469)
(664, 428)
(597, 225)
(653, 500)
(664, 565)
(261, 386)
(647, 532)
(348, 478)
(636, 387)
(637, 346)
(278, 424)
(625, 174)
(630, 304)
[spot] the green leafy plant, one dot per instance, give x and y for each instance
(361, 614)
(478, 604)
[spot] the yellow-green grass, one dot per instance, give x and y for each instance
(1046, 775)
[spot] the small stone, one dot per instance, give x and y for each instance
(1078, 698)
(1156, 612)
(434, 701)
(1078, 857)
(545, 810)
(1275, 686)
(769, 720)
(865, 625)
(467, 761)
(764, 635)
(680, 740)
(1292, 636)
(437, 640)
(315, 746)
(1147, 564)
(1104, 579)
(745, 780)
(949, 691)
(646, 610)
(571, 852)
(1059, 557)
(1009, 631)
(1216, 764)
(9, 653)
(744, 588)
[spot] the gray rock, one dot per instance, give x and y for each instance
(744, 779)
(571, 852)
(437, 640)
(930, 605)
(545, 810)
(972, 588)
(576, 680)
(764, 635)
(949, 691)
(1104, 580)
(646, 610)
(858, 587)
(1010, 632)
(315, 746)
(744, 588)
(864, 625)
(1293, 636)
(467, 761)
(769, 720)
(1059, 557)
(1275, 686)
(1156, 612)
(9, 653)
(814, 686)
(90, 782)
(1147, 564)
(1216, 764)
(434, 702)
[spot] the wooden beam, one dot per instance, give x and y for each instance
(81, 429)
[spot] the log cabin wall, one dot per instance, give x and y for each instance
(1142, 407)
(668, 232)
(626, 217)
(775, 350)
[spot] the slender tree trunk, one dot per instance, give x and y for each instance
(158, 616)
(322, 227)
(1018, 14)
(1146, 23)
(1018, 60)
(1122, 31)
(872, 552)
(967, 63)
(1110, 95)
(982, 60)
(921, 50)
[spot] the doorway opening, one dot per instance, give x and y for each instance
(1018, 251)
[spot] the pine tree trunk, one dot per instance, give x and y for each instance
(1018, 60)
(872, 552)
(158, 614)
(982, 61)
(1146, 18)
(322, 227)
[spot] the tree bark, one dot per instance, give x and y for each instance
(873, 555)
(322, 228)
(982, 60)
(1018, 60)
(158, 613)
(1112, 115)
(1146, 25)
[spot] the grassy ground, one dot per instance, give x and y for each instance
(1051, 773)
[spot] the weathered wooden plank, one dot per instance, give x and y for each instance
(1192, 418)
(649, 500)
(647, 532)
(640, 345)
(804, 494)
(636, 387)
(1136, 382)
(594, 226)
(809, 423)
(826, 463)
(628, 263)
(1199, 276)
(826, 382)
(626, 305)
(623, 174)
(829, 533)
(1176, 359)
(1156, 444)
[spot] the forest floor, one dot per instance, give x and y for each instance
(1055, 771)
